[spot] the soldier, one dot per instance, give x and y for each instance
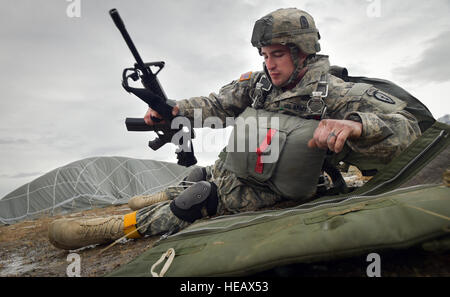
(358, 122)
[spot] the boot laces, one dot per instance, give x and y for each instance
(105, 228)
(154, 198)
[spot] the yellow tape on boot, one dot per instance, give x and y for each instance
(129, 226)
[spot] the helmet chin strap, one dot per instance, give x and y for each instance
(266, 71)
(297, 67)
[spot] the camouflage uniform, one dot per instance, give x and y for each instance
(387, 130)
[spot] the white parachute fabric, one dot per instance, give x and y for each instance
(88, 183)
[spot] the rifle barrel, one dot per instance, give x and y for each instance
(149, 80)
(121, 26)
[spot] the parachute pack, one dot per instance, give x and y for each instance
(283, 162)
(414, 106)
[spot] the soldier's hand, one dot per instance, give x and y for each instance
(332, 134)
(154, 114)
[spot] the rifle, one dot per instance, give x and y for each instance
(156, 98)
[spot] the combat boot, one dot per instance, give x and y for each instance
(138, 202)
(70, 234)
(195, 175)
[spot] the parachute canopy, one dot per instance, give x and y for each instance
(88, 183)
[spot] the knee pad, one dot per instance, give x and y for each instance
(189, 204)
(197, 174)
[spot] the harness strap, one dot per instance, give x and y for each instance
(316, 106)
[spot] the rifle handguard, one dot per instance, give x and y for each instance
(138, 124)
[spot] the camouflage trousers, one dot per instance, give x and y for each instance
(234, 196)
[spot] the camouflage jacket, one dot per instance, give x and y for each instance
(387, 128)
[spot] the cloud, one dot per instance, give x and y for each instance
(12, 141)
(432, 65)
(445, 119)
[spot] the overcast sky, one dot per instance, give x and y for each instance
(61, 98)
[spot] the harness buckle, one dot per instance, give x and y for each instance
(263, 87)
(316, 105)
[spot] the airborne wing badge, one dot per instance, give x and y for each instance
(245, 76)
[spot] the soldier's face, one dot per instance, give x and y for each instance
(278, 62)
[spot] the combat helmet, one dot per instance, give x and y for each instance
(287, 26)
(292, 27)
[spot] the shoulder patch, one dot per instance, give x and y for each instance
(383, 97)
(245, 76)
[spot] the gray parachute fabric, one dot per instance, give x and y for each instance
(88, 183)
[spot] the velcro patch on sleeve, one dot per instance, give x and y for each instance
(383, 97)
(245, 76)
